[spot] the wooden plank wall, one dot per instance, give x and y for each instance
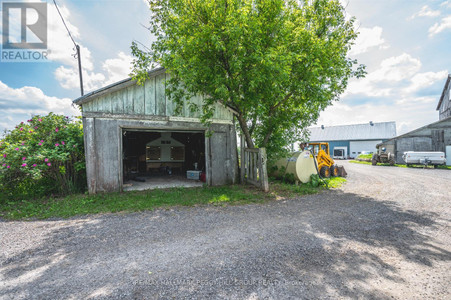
(149, 99)
(103, 139)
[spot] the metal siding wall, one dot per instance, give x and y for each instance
(445, 108)
(359, 146)
(333, 144)
(448, 155)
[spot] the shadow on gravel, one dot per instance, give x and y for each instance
(319, 246)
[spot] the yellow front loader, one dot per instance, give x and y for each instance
(326, 165)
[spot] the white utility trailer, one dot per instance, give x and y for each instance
(424, 158)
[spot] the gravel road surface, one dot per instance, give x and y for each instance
(385, 234)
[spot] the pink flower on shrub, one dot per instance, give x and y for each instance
(24, 165)
(63, 143)
(4, 155)
(17, 149)
(28, 120)
(42, 141)
(40, 144)
(56, 129)
(40, 120)
(21, 129)
(49, 164)
(8, 167)
(56, 145)
(21, 122)
(23, 143)
(31, 131)
(36, 127)
(4, 164)
(46, 160)
(34, 165)
(24, 158)
(73, 146)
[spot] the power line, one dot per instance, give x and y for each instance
(68, 31)
(77, 48)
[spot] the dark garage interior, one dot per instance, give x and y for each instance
(162, 159)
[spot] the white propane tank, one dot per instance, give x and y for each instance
(300, 164)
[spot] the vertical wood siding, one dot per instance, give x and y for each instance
(149, 99)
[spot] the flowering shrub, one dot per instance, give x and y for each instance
(43, 156)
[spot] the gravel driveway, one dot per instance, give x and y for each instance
(385, 234)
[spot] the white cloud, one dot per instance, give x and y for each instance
(426, 11)
(446, 4)
(368, 38)
(396, 86)
(61, 48)
(422, 80)
(118, 68)
(396, 68)
(391, 70)
(69, 79)
(445, 23)
(386, 80)
(17, 105)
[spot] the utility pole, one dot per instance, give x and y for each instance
(79, 68)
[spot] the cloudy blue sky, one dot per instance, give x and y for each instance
(405, 44)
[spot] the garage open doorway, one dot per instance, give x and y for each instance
(162, 159)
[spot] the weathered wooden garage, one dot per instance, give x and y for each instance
(131, 132)
(432, 137)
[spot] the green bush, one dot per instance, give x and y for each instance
(289, 178)
(41, 157)
(314, 180)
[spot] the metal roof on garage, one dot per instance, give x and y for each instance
(355, 132)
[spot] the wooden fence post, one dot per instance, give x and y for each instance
(242, 162)
(253, 166)
(263, 170)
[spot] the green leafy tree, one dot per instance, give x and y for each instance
(42, 156)
(277, 63)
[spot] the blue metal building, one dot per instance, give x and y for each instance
(348, 141)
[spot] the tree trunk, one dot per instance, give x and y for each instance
(266, 139)
(245, 130)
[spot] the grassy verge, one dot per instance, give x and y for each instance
(365, 156)
(399, 165)
(148, 200)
